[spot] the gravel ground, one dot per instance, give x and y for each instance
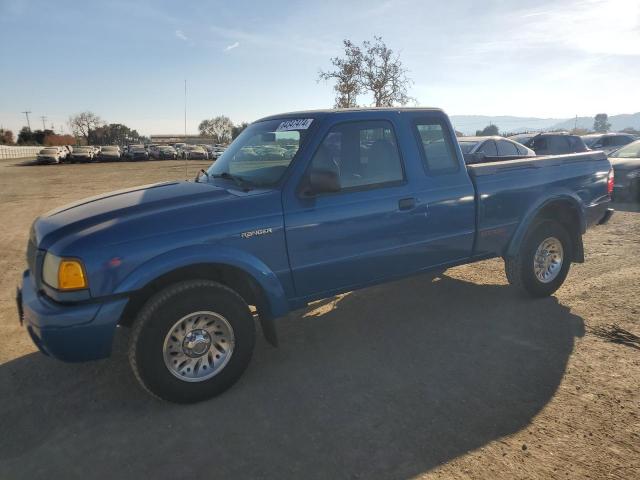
(451, 377)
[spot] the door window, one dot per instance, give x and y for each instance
(362, 154)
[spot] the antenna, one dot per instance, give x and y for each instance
(44, 119)
(27, 115)
(186, 172)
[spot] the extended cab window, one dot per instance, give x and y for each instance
(361, 153)
(437, 151)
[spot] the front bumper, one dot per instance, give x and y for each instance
(69, 332)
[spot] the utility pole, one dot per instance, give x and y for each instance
(27, 115)
(44, 119)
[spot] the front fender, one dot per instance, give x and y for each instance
(210, 254)
(534, 210)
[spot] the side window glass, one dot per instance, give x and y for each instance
(506, 149)
(437, 151)
(540, 144)
(362, 154)
(489, 149)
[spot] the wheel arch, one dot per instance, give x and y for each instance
(246, 275)
(565, 209)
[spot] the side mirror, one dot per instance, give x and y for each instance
(322, 181)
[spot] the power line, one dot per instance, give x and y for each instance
(27, 115)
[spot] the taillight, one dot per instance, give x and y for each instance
(610, 182)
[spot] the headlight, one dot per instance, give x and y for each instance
(63, 273)
(634, 174)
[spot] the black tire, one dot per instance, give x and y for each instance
(520, 268)
(158, 317)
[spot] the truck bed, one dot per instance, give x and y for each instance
(507, 190)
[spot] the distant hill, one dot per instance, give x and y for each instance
(468, 124)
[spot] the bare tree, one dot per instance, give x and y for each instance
(220, 128)
(347, 73)
(384, 75)
(84, 123)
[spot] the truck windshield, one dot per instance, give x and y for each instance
(262, 152)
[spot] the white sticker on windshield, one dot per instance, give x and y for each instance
(296, 124)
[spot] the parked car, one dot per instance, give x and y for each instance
(83, 154)
(607, 142)
(626, 165)
(552, 143)
(179, 147)
(216, 152)
(109, 153)
(181, 262)
(137, 152)
(490, 149)
(522, 138)
(167, 152)
(153, 150)
(49, 155)
(194, 152)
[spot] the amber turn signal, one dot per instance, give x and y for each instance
(71, 275)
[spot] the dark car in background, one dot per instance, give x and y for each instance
(626, 166)
(137, 152)
(83, 154)
(109, 153)
(166, 152)
(607, 142)
(552, 143)
(489, 149)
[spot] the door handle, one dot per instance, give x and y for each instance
(406, 203)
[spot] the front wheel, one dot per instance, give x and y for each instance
(542, 263)
(192, 341)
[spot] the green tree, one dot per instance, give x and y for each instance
(220, 128)
(6, 137)
(237, 129)
(383, 74)
(487, 131)
(347, 72)
(373, 68)
(601, 123)
(84, 123)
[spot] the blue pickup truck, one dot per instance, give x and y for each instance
(301, 206)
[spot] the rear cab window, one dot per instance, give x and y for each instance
(438, 153)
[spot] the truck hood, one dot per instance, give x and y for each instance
(125, 205)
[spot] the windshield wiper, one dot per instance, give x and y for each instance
(200, 173)
(241, 182)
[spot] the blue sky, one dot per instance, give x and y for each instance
(127, 60)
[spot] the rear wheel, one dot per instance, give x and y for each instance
(192, 341)
(543, 262)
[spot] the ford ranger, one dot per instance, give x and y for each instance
(301, 206)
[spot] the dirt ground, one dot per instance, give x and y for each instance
(452, 377)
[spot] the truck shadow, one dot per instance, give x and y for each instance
(387, 382)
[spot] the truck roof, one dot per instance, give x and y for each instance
(346, 111)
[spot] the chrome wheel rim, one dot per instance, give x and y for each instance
(198, 346)
(547, 261)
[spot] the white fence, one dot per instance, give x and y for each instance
(18, 152)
